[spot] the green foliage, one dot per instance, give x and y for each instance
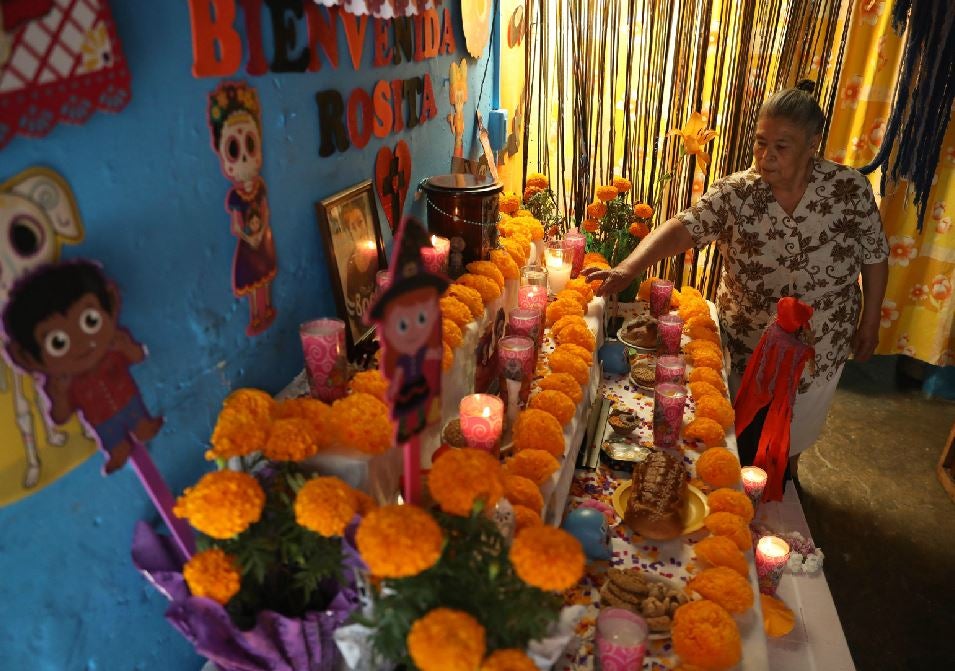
(285, 567)
(474, 575)
(543, 205)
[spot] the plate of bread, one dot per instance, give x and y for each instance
(659, 503)
(652, 597)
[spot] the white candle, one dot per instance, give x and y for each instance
(754, 482)
(559, 264)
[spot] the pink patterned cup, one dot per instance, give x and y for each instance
(669, 333)
(482, 420)
(668, 403)
(326, 364)
(621, 640)
(532, 297)
(516, 357)
(772, 556)
(660, 293)
(670, 369)
(576, 242)
(524, 322)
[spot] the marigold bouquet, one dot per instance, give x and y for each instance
(540, 201)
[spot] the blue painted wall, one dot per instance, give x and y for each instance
(151, 196)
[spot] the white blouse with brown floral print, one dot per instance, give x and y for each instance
(815, 255)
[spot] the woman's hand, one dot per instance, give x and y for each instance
(865, 339)
(614, 280)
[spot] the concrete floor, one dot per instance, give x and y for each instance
(877, 510)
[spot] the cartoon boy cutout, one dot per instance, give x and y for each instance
(61, 322)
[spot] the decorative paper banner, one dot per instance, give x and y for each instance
(64, 63)
(38, 215)
(392, 179)
(476, 17)
(382, 9)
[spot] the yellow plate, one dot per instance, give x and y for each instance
(694, 511)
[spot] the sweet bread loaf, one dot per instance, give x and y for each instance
(657, 497)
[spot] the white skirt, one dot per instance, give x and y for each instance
(809, 413)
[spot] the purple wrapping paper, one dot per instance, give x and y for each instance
(276, 643)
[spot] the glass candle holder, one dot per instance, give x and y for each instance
(534, 275)
(532, 297)
(670, 370)
(772, 555)
(576, 242)
(482, 420)
(754, 482)
(559, 263)
(326, 363)
(515, 356)
(669, 333)
(660, 293)
(442, 248)
(524, 322)
(668, 403)
(382, 281)
(621, 640)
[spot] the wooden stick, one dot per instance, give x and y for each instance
(162, 498)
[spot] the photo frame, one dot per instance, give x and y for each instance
(355, 252)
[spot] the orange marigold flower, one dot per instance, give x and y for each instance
(326, 505)
(362, 423)
(716, 408)
(538, 179)
(485, 286)
(732, 526)
(718, 467)
(705, 358)
(254, 403)
(606, 193)
(530, 192)
(487, 269)
(710, 376)
(451, 333)
(692, 292)
(398, 541)
(555, 403)
(533, 228)
(638, 229)
(722, 551)
(508, 659)
(509, 269)
(365, 503)
(675, 298)
(525, 518)
(514, 250)
(222, 504)
(236, 434)
(643, 293)
(581, 286)
(578, 336)
(446, 640)
(581, 353)
(596, 210)
(538, 430)
(447, 356)
(778, 619)
(731, 501)
(595, 256)
(462, 477)
(565, 321)
(591, 225)
(707, 431)
(317, 414)
(724, 586)
(455, 311)
(523, 213)
(509, 203)
(692, 307)
(522, 491)
(705, 635)
(701, 389)
(563, 361)
(643, 211)
(547, 558)
(703, 333)
(469, 297)
(370, 382)
(291, 439)
(622, 184)
(535, 465)
(562, 308)
(571, 295)
(213, 574)
(697, 345)
(564, 383)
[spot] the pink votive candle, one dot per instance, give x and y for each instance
(754, 482)
(382, 280)
(532, 297)
(660, 293)
(576, 242)
(772, 555)
(669, 333)
(668, 403)
(442, 247)
(621, 640)
(515, 356)
(429, 257)
(670, 369)
(323, 344)
(482, 420)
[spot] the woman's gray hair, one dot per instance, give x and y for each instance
(796, 105)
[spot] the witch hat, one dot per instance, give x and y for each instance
(408, 271)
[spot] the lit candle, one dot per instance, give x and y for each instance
(482, 420)
(532, 297)
(576, 242)
(442, 247)
(772, 555)
(367, 255)
(559, 263)
(754, 482)
(382, 280)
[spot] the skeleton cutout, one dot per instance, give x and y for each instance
(37, 216)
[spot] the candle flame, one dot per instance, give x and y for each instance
(434, 240)
(772, 547)
(486, 412)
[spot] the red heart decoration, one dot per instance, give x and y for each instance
(392, 179)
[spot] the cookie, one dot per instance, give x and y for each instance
(608, 598)
(629, 580)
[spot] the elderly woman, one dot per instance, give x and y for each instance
(794, 224)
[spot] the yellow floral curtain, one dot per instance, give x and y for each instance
(917, 310)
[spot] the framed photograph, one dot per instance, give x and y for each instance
(355, 253)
